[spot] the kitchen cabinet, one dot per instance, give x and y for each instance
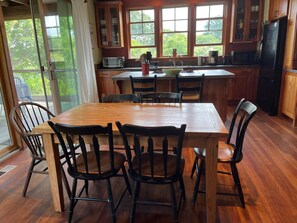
(278, 8)
(247, 20)
(105, 84)
(244, 85)
(109, 24)
(289, 95)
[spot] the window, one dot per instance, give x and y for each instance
(142, 32)
(175, 30)
(209, 29)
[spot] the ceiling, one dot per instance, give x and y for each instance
(8, 3)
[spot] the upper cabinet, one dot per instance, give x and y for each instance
(247, 20)
(278, 8)
(109, 24)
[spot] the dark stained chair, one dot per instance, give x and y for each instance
(143, 84)
(115, 98)
(148, 166)
(229, 152)
(192, 88)
(96, 164)
(161, 97)
(24, 117)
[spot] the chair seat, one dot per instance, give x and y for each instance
(191, 96)
(119, 160)
(158, 165)
(225, 152)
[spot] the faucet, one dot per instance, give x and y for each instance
(173, 61)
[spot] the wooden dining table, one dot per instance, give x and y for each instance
(204, 129)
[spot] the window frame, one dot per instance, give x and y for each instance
(191, 42)
(188, 28)
(223, 43)
(128, 23)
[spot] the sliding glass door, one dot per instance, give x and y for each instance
(42, 51)
(55, 42)
(5, 138)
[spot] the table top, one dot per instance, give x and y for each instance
(209, 74)
(201, 119)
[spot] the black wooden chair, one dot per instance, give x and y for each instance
(115, 98)
(24, 117)
(96, 164)
(228, 152)
(161, 97)
(143, 84)
(192, 88)
(148, 166)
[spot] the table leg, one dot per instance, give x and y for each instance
(54, 170)
(211, 179)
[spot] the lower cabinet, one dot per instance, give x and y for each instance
(244, 85)
(289, 95)
(105, 83)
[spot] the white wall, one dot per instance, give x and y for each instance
(92, 19)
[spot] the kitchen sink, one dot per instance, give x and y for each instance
(172, 71)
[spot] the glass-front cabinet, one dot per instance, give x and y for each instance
(109, 24)
(247, 20)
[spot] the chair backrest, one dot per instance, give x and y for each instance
(243, 116)
(233, 120)
(24, 117)
(23, 91)
(79, 165)
(114, 98)
(146, 145)
(190, 85)
(161, 97)
(143, 84)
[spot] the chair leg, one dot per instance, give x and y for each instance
(72, 200)
(28, 177)
(237, 182)
(134, 198)
(195, 163)
(65, 181)
(87, 187)
(110, 200)
(196, 188)
(126, 180)
(174, 205)
(182, 185)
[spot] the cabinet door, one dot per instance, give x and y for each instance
(114, 24)
(109, 24)
(289, 94)
(105, 83)
(248, 18)
(102, 27)
(243, 84)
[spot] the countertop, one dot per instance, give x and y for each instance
(203, 67)
(209, 74)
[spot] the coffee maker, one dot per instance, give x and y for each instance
(213, 57)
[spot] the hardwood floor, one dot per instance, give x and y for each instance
(268, 174)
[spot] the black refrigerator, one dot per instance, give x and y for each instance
(271, 65)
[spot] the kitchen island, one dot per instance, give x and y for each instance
(214, 91)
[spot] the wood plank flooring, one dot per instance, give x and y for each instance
(268, 174)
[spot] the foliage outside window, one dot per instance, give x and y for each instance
(21, 41)
(175, 30)
(142, 32)
(209, 29)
